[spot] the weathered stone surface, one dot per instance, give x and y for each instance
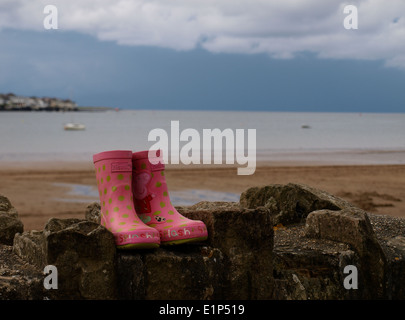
(82, 251)
(30, 246)
(210, 205)
(390, 232)
(235, 228)
(7, 207)
(396, 268)
(189, 274)
(310, 274)
(93, 212)
(312, 268)
(290, 203)
(234, 263)
(245, 257)
(352, 226)
(10, 224)
(193, 273)
(186, 273)
(398, 243)
(19, 280)
(306, 268)
(245, 237)
(130, 275)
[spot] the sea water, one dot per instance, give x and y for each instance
(350, 138)
(26, 136)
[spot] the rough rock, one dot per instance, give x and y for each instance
(352, 226)
(396, 267)
(245, 237)
(83, 253)
(197, 271)
(19, 280)
(234, 263)
(30, 246)
(398, 243)
(191, 273)
(390, 232)
(246, 256)
(210, 205)
(310, 269)
(10, 224)
(7, 207)
(242, 237)
(93, 212)
(290, 203)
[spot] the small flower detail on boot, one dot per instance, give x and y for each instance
(160, 219)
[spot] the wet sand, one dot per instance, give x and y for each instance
(38, 190)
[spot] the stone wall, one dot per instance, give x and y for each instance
(279, 242)
(234, 263)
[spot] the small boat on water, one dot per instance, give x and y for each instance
(74, 126)
(305, 126)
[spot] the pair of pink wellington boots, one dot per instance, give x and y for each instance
(135, 203)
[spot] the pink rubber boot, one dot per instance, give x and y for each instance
(118, 215)
(152, 202)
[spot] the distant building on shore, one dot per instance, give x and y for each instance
(12, 102)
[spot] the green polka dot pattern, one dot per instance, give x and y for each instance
(117, 208)
(152, 202)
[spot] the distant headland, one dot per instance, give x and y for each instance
(12, 102)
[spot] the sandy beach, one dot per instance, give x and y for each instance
(40, 191)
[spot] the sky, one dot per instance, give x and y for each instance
(258, 55)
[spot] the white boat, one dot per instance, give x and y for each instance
(74, 126)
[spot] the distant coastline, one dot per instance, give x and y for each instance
(12, 102)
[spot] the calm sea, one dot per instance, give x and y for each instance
(346, 137)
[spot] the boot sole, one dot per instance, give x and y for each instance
(175, 242)
(130, 246)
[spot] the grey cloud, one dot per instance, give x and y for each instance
(279, 28)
